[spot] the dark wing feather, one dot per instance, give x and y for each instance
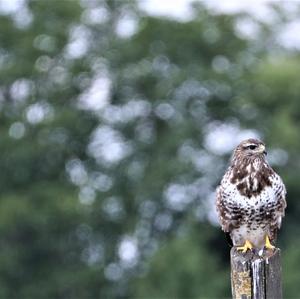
(280, 194)
(223, 215)
(229, 218)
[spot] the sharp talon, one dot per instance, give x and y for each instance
(242, 248)
(268, 244)
(246, 246)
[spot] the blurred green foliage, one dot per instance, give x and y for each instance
(112, 145)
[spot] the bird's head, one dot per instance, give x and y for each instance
(250, 148)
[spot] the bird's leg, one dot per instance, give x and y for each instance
(268, 244)
(246, 246)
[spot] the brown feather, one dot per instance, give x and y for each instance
(250, 200)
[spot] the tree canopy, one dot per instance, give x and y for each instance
(116, 128)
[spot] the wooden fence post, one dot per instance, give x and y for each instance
(254, 276)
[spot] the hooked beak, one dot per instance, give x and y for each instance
(262, 149)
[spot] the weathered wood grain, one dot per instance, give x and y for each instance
(256, 276)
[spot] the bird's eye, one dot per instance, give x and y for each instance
(252, 147)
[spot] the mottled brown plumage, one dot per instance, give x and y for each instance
(251, 197)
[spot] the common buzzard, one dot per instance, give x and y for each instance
(251, 198)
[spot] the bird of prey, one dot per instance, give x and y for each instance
(251, 198)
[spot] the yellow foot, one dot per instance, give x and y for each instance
(268, 244)
(246, 246)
